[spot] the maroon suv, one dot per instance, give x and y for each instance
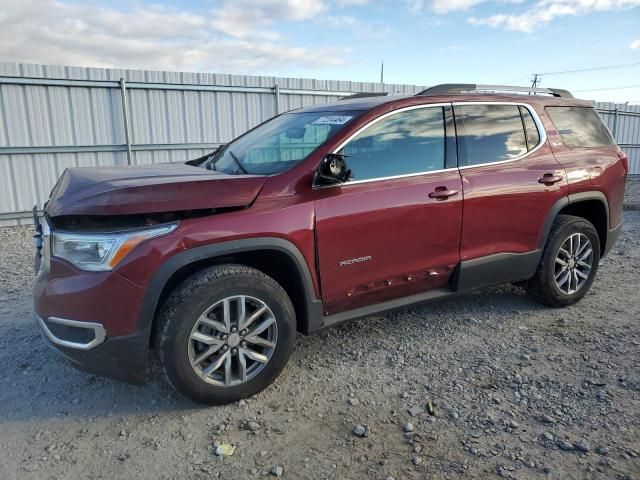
(318, 216)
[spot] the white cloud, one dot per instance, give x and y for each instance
(358, 28)
(545, 11)
(445, 6)
(340, 21)
(635, 45)
(442, 7)
(352, 3)
(56, 32)
(242, 18)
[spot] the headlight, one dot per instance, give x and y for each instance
(102, 251)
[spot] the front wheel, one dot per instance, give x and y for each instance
(569, 263)
(225, 334)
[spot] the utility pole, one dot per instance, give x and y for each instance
(382, 72)
(537, 78)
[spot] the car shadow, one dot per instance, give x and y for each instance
(37, 383)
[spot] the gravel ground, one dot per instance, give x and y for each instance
(632, 194)
(488, 384)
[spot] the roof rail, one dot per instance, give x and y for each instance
(456, 88)
(365, 95)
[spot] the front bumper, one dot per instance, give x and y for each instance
(122, 358)
(92, 318)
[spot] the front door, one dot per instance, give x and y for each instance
(393, 230)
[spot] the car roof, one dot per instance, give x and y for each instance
(362, 103)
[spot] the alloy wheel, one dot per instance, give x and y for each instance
(573, 263)
(232, 340)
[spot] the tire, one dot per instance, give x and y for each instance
(543, 287)
(185, 319)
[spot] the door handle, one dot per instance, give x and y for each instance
(550, 179)
(442, 193)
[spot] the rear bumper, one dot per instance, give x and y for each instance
(612, 237)
(122, 358)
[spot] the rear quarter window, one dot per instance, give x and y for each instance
(580, 127)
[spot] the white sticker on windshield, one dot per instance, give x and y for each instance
(333, 120)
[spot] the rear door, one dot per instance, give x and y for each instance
(510, 181)
(394, 229)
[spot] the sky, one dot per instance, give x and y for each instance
(422, 42)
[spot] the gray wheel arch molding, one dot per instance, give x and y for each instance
(173, 264)
(512, 267)
(568, 200)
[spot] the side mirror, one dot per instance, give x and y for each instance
(332, 170)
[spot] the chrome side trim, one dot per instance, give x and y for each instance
(542, 133)
(394, 177)
(382, 117)
(373, 122)
(98, 330)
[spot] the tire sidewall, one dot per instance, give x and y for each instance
(182, 317)
(586, 229)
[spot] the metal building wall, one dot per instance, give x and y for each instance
(624, 122)
(53, 117)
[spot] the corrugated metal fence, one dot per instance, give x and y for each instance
(53, 117)
(624, 122)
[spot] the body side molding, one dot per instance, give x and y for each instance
(398, 303)
(495, 269)
(471, 274)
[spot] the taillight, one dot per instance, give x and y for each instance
(624, 158)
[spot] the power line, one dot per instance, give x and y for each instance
(538, 76)
(521, 79)
(608, 88)
(592, 69)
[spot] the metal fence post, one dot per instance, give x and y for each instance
(276, 91)
(125, 118)
(615, 122)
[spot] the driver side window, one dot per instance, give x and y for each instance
(404, 143)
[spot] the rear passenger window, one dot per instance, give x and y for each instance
(580, 126)
(492, 133)
(530, 128)
(403, 143)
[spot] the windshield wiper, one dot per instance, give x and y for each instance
(210, 163)
(235, 159)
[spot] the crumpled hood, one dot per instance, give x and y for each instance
(155, 188)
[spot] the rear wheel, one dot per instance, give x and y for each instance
(569, 263)
(226, 333)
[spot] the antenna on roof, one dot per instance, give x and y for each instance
(382, 72)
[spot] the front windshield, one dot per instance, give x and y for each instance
(280, 143)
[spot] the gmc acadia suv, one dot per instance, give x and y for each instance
(321, 215)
